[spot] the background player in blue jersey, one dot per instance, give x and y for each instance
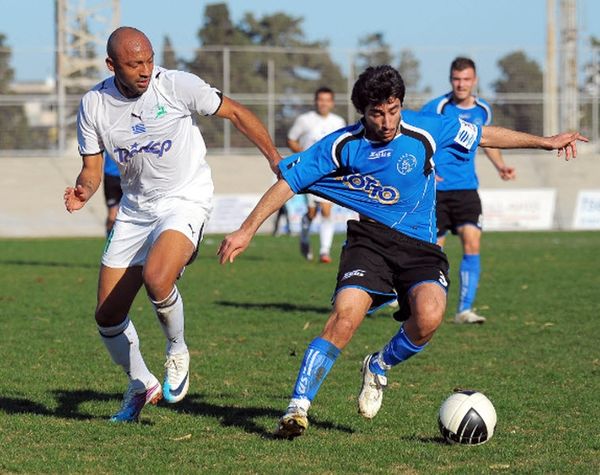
(458, 203)
(380, 167)
(112, 190)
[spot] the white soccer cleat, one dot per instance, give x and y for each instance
(292, 424)
(371, 392)
(468, 316)
(177, 377)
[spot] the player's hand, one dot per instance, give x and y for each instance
(233, 245)
(438, 178)
(565, 143)
(75, 198)
(507, 173)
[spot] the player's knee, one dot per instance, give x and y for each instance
(106, 317)
(428, 316)
(157, 283)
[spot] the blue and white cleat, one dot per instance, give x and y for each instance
(134, 402)
(177, 377)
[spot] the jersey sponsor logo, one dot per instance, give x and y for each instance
(467, 134)
(406, 164)
(354, 273)
(138, 128)
(385, 153)
(386, 195)
(124, 155)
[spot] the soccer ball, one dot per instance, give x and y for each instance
(467, 417)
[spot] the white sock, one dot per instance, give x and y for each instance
(326, 234)
(123, 344)
(170, 315)
(303, 404)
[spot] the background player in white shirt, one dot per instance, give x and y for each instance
(308, 128)
(142, 116)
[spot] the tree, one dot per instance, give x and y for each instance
(373, 51)
(409, 70)
(13, 121)
(169, 60)
(519, 74)
(261, 40)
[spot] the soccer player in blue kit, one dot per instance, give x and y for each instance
(382, 168)
(458, 207)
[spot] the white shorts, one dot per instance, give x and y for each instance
(130, 240)
(313, 200)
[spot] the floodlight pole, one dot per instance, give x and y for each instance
(550, 82)
(79, 24)
(569, 110)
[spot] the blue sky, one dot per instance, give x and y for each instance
(435, 30)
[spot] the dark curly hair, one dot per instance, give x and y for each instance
(376, 85)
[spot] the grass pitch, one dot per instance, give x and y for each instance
(537, 358)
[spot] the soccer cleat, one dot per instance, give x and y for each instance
(292, 424)
(325, 259)
(177, 377)
(371, 392)
(134, 402)
(305, 250)
(468, 316)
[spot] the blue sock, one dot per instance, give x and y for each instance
(470, 268)
(318, 360)
(398, 349)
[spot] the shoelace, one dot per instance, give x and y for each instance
(172, 365)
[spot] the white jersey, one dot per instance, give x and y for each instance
(159, 151)
(311, 127)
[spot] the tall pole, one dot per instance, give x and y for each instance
(271, 96)
(550, 76)
(569, 111)
(227, 93)
(60, 10)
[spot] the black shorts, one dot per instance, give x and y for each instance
(457, 208)
(112, 190)
(388, 264)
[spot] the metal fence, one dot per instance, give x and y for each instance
(29, 121)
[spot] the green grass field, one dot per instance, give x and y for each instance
(537, 358)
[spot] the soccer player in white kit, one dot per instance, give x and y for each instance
(142, 116)
(307, 129)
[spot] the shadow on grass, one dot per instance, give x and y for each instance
(228, 416)
(243, 417)
(24, 262)
(283, 306)
(67, 408)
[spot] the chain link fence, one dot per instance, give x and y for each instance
(29, 123)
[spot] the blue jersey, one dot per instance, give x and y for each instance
(390, 182)
(110, 167)
(457, 174)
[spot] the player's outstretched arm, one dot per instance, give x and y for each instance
(499, 137)
(236, 242)
(248, 124)
(86, 185)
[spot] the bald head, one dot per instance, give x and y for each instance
(126, 40)
(131, 58)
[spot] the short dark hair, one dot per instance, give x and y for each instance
(461, 63)
(376, 85)
(324, 90)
